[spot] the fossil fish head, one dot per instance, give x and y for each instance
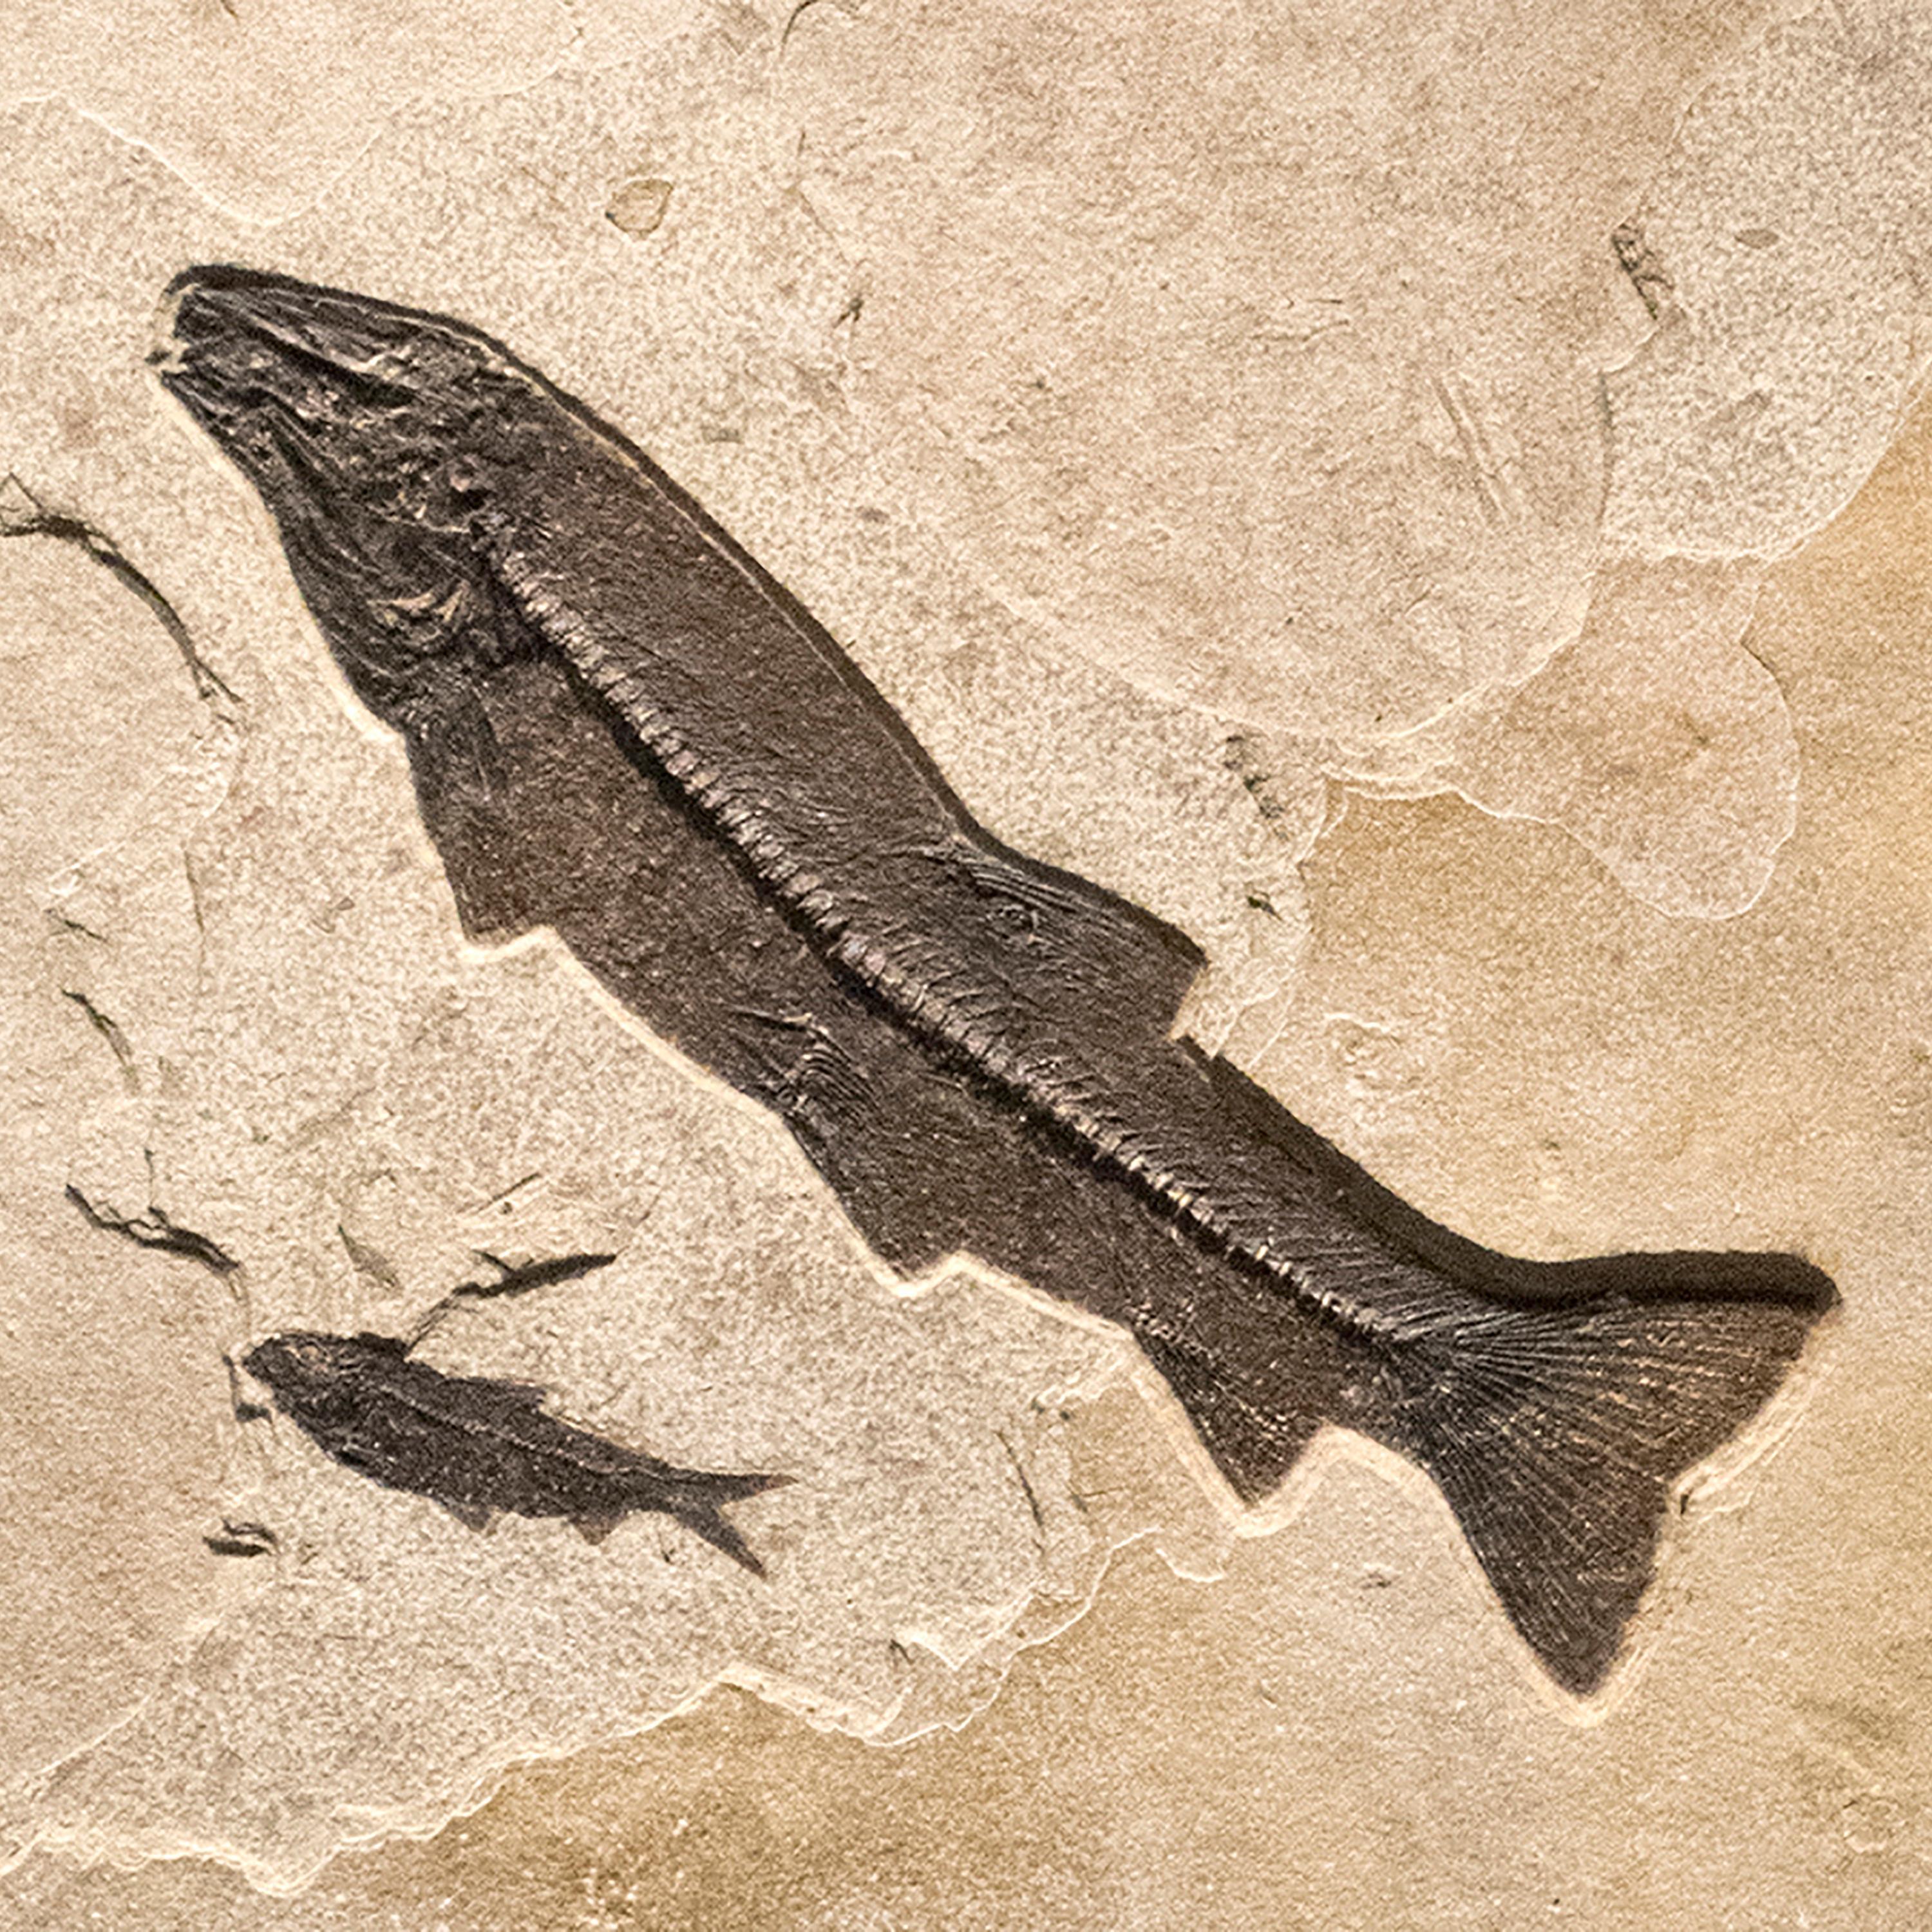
(310, 1374)
(370, 432)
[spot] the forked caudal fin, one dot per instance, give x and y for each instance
(695, 1500)
(1559, 1428)
(699, 1510)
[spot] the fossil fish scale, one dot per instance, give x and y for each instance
(621, 727)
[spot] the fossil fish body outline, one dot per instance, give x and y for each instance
(480, 1446)
(620, 726)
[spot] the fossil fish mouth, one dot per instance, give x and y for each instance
(217, 308)
(339, 410)
(233, 344)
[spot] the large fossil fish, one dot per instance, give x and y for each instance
(620, 727)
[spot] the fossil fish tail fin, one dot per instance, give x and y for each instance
(1560, 1433)
(700, 1508)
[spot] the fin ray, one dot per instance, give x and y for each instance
(1560, 1435)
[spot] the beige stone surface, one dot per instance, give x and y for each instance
(1198, 430)
(1780, 247)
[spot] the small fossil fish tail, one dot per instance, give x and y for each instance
(1561, 1435)
(699, 1507)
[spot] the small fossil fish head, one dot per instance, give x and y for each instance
(311, 1374)
(370, 432)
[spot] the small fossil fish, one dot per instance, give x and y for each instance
(481, 1447)
(620, 727)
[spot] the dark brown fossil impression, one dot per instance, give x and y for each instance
(481, 1447)
(621, 727)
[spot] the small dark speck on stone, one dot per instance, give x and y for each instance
(241, 1539)
(1759, 238)
(1647, 275)
(1377, 1576)
(717, 432)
